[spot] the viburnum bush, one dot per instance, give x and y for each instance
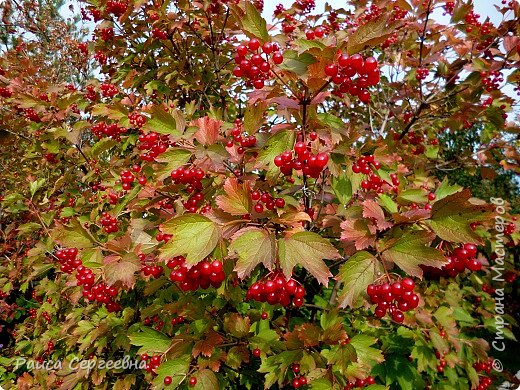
(231, 203)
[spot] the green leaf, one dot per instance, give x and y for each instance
(103, 145)
(446, 189)
(278, 143)
(177, 369)
(400, 370)
(254, 24)
(254, 117)
(174, 158)
(302, 45)
(307, 249)
(297, 63)
(463, 317)
(150, 341)
(249, 256)
(411, 250)
(162, 122)
(194, 236)
(413, 195)
(342, 188)
(370, 34)
(331, 121)
(444, 316)
(356, 274)
(452, 215)
(424, 355)
(340, 356)
(321, 384)
(72, 235)
(386, 202)
(366, 354)
(276, 366)
(237, 198)
(34, 186)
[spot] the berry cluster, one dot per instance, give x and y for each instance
(100, 57)
(152, 363)
(421, 73)
(46, 316)
(367, 165)
(255, 68)
(112, 130)
(203, 274)
(68, 260)
(177, 320)
(163, 237)
(461, 258)
(242, 139)
(32, 115)
(137, 119)
(5, 92)
(154, 271)
(310, 164)
(154, 143)
(471, 20)
(360, 383)
(108, 90)
(267, 200)
(274, 288)
(318, 32)
(449, 7)
(194, 202)
(109, 223)
(491, 80)
(393, 298)
(102, 294)
(84, 277)
(159, 34)
(484, 367)
(91, 93)
(116, 7)
(299, 380)
(343, 72)
(191, 176)
(106, 34)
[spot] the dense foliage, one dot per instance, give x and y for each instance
(234, 204)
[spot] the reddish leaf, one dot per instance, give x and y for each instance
(208, 130)
(372, 210)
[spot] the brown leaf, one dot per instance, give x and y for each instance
(121, 269)
(207, 346)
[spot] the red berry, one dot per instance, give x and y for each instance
(167, 380)
(193, 381)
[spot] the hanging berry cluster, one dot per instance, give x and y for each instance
(5, 92)
(491, 80)
(67, 259)
(462, 258)
(101, 129)
(194, 202)
(347, 67)
(102, 293)
(137, 119)
(109, 223)
(108, 90)
(154, 143)
(253, 63)
(84, 277)
(243, 140)
(191, 176)
(116, 7)
(265, 198)
(274, 288)
(303, 160)
(148, 269)
(202, 275)
(393, 298)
